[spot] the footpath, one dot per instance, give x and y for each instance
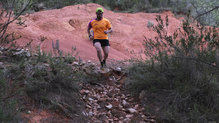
(109, 102)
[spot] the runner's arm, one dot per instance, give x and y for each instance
(108, 31)
(88, 29)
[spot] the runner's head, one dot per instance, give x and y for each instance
(99, 12)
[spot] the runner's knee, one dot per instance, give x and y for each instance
(106, 50)
(97, 46)
(98, 49)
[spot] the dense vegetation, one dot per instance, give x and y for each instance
(180, 81)
(48, 82)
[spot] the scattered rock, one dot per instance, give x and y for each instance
(132, 110)
(29, 112)
(84, 91)
(109, 106)
(118, 69)
(19, 52)
(129, 115)
(124, 103)
(107, 102)
(75, 63)
(90, 99)
(28, 54)
(89, 61)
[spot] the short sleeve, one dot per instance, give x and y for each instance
(89, 25)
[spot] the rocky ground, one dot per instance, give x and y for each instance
(106, 101)
(109, 101)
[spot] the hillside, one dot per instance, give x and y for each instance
(178, 83)
(69, 26)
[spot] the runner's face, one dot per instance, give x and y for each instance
(99, 15)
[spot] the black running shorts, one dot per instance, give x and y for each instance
(103, 42)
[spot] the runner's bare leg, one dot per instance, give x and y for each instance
(97, 45)
(106, 51)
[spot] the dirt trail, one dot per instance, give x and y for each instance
(109, 102)
(105, 98)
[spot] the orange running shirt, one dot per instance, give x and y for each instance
(99, 27)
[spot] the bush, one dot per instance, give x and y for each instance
(52, 84)
(8, 111)
(180, 81)
(48, 81)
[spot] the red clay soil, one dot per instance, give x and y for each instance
(69, 26)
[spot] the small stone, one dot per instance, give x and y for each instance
(112, 78)
(124, 103)
(84, 97)
(88, 106)
(93, 64)
(123, 96)
(90, 113)
(28, 54)
(136, 106)
(90, 99)
(19, 52)
(85, 114)
(129, 115)
(116, 119)
(111, 120)
(75, 63)
(132, 110)
(109, 106)
(126, 120)
(29, 112)
(82, 63)
(118, 69)
(98, 107)
(84, 91)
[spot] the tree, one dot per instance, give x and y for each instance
(10, 10)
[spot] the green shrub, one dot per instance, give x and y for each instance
(52, 84)
(48, 81)
(180, 80)
(8, 109)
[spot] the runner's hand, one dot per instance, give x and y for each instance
(91, 37)
(106, 32)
